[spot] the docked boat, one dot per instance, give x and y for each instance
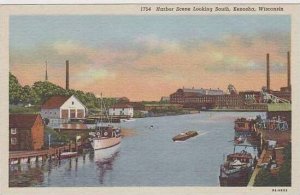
(65, 155)
(105, 135)
(185, 135)
(244, 127)
(239, 140)
(236, 170)
(106, 155)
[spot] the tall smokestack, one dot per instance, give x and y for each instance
(268, 72)
(67, 74)
(289, 70)
(46, 75)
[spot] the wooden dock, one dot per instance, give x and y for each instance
(18, 157)
(257, 169)
(111, 118)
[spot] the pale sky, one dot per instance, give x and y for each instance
(146, 57)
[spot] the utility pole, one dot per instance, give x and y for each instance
(268, 72)
(67, 74)
(49, 137)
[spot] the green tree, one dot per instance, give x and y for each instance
(45, 89)
(42, 90)
(15, 89)
(28, 95)
(91, 100)
(109, 101)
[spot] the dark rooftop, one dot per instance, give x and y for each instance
(22, 121)
(55, 102)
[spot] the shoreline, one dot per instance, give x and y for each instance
(213, 110)
(233, 110)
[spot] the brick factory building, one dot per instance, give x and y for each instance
(205, 98)
(208, 99)
(26, 132)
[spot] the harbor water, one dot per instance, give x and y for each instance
(147, 158)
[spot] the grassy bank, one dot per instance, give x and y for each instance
(234, 110)
(282, 178)
(24, 110)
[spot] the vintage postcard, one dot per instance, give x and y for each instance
(150, 98)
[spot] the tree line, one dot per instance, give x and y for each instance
(40, 91)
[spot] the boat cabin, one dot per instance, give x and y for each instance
(243, 157)
(244, 125)
(107, 131)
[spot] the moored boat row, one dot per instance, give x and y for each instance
(238, 166)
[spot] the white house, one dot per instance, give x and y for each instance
(62, 108)
(121, 110)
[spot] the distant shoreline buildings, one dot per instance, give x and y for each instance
(121, 110)
(216, 98)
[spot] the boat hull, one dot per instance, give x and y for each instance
(105, 155)
(185, 136)
(103, 142)
(239, 178)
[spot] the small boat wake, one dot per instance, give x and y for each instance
(200, 133)
(177, 141)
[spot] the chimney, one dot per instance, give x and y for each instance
(289, 70)
(268, 72)
(67, 74)
(46, 75)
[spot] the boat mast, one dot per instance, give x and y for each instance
(103, 106)
(107, 114)
(101, 110)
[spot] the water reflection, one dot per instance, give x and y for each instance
(26, 175)
(150, 158)
(104, 160)
(35, 174)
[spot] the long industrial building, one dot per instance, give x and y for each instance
(191, 98)
(216, 98)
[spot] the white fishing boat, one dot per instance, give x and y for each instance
(105, 155)
(105, 136)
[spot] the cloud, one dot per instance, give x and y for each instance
(236, 55)
(153, 44)
(150, 67)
